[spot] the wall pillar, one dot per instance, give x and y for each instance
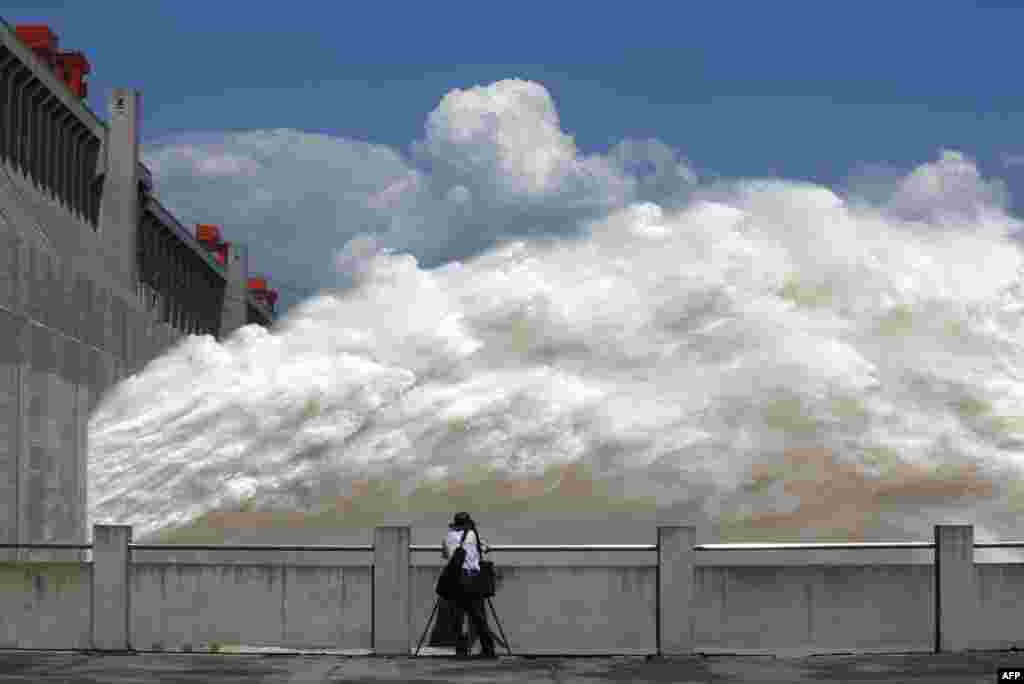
(119, 204)
(110, 587)
(956, 597)
(391, 604)
(235, 312)
(676, 561)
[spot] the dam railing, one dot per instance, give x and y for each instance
(377, 598)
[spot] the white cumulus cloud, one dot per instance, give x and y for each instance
(506, 141)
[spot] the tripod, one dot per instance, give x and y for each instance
(503, 641)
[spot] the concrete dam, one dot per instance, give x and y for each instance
(97, 278)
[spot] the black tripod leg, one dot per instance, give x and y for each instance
(498, 622)
(429, 620)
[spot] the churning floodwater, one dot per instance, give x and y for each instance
(677, 352)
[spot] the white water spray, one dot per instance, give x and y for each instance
(670, 351)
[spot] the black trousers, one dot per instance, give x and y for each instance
(467, 605)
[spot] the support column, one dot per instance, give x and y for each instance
(110, 587)
(234, 312)
(676, 561)
(391, 605)
(956, 596)
(119, 207)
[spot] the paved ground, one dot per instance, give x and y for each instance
(31, 667)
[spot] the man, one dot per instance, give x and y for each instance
(468, 604)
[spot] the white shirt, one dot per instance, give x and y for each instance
(451, 542)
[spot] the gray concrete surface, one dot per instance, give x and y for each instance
(22, 667)
(209, 604)
(56, 362)
(51, 608)
(73, 322)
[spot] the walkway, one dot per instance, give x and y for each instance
(42, 667)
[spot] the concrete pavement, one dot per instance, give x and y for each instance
(68, 667)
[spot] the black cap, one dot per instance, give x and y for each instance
(461, 519)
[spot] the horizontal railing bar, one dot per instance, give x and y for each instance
(555, 547)
(243, 547)
(811, 546)
(45, 546)
(999, 545)
(531, 547)
(413, 547)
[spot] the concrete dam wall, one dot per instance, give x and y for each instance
(96, 280)
(65, 339)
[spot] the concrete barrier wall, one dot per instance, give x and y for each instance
(381, 601)
(45, 605)
(788, 610)
(551, 610)
(174, 606)
(1000, 620)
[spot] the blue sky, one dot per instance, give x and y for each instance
(816, 91)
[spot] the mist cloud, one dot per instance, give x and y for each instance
(950, 189)
(512, 302)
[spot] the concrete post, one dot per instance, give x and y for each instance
(110, 587)
(391, 605)
(676, 561)
(956, 597)
(235, 312)
(119, 205)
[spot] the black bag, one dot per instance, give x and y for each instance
(449, 585)
(483, 584)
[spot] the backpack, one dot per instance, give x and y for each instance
(448, 584)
